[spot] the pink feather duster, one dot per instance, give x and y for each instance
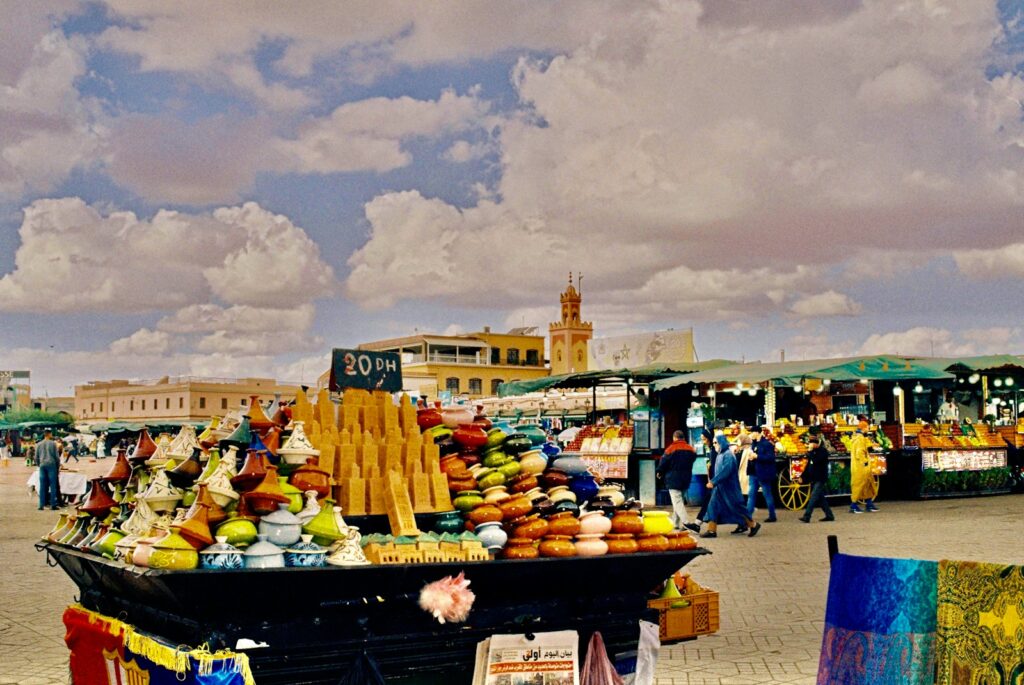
(448, 599)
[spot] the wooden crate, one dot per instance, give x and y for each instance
(699, 617)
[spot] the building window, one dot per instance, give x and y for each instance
(559, 355)
(579, 355)
(167, 403)
(532, 358)
(143, 405)
(244, 402)
(113, 407)
(223, 403)
(451, 384)
(131, 405)
(513, 355)
(494, 385)
(92, 407)
(181, 403)
(495, 355)
(101, 407)
(476, 386)
(202, 403)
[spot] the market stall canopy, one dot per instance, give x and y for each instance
(990, 362)
(589, 379)
(874, 367)
(154, 425)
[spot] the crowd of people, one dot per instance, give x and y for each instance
(750, 460)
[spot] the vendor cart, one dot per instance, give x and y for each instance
(316, 621)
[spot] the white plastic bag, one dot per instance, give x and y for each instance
(646, 654)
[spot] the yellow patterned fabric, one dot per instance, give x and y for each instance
(980, 629)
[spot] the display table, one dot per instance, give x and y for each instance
(316, 620)
(71, 483)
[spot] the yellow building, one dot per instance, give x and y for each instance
(570, 336)
(172, 398)
(473, 365)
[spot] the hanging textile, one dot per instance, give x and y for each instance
(980, 631)
(879, 622)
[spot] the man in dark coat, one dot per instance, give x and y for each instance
(816, 474)
(675, 468)
(761, 472)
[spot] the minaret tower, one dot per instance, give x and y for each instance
(570, 336)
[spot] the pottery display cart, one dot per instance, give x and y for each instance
(315, 621)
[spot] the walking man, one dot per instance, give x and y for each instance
(48, 458)
(816, 474)
(764, 475)
(676, 469)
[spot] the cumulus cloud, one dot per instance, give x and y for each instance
(1004, 262)
(922, 340)
(210, 318)
(45, 129)
(72, 257)
(462, 151)
(143, 342)
(828, 303)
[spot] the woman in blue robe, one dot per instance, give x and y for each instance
(727, 504)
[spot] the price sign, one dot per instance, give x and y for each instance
(366, 370)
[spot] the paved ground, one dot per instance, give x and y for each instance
(772, 587)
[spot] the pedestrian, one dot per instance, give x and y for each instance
(47, 455)
(675, 468)
(763, 462)
(816, 474)
(71, 451)
(5, 452)
(708, 439)
(101, 446)
(862, 486)
(726, 504)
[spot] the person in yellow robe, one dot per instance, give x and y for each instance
(862, 485)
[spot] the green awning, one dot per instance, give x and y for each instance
(989, 362)
(588, 379)
(154, 425)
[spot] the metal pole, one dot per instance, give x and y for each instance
(594, 416)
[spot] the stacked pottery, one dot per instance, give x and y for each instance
(219, 481)
(327, 527)
(265, 498)
(305, 554)
(309, 476)
(173, 552)
(263, 554)
(281, 527)
(185, 474)
(160, 457)
(161, 496)
(183, 444)
(311, 508)
(221, 556)
(297, 449)
(457, 415)
(144, 448)
(252, 472)
(491, 535)
(195, 529)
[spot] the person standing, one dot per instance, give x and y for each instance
(726, 504)
(862, 486)
(48, 458)
(675, 468)
(708, 438)
(948, 411)
(101, 446)
(763, 462)
(5, 451)
(816, 474)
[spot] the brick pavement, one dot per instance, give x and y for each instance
(772, 587)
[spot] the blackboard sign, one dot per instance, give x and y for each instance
(366, 370)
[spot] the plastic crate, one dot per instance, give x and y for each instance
(686, 617)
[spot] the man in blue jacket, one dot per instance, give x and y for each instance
(676, 469)
(763, 476)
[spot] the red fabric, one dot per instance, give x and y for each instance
(88, 636)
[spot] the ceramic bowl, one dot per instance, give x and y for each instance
(305, 554)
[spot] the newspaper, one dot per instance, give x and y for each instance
(540, 659)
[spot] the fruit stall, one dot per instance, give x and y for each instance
(370, 530)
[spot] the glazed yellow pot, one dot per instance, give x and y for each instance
(173, 553)
(657, 522)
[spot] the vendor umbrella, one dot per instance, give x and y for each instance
(569, 434)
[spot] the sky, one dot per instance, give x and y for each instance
(232, 189)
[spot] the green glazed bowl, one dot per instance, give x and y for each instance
(238, 531)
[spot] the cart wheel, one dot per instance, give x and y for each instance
(793, 496)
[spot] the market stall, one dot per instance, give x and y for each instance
(318, 548)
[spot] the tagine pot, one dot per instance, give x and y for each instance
(214, 512)
(221, 556)
(106, 545)
(144, 448)
(310, 509)
(591, 545)
(311, 477)
(143, 548)
(294, 494)
(305, 554)
(520, 548)
(469, 436)
(120, 471)
(265, 497)
(240, 437)
(238, 531)
(281, 527)
(98, 502)
(263, 554)
(324, 527)
(252, 473)
(534, 432)
(557, 546)
(297, 449)
(185, 474)
(195, 529)
(60, 529)
(258, 419)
